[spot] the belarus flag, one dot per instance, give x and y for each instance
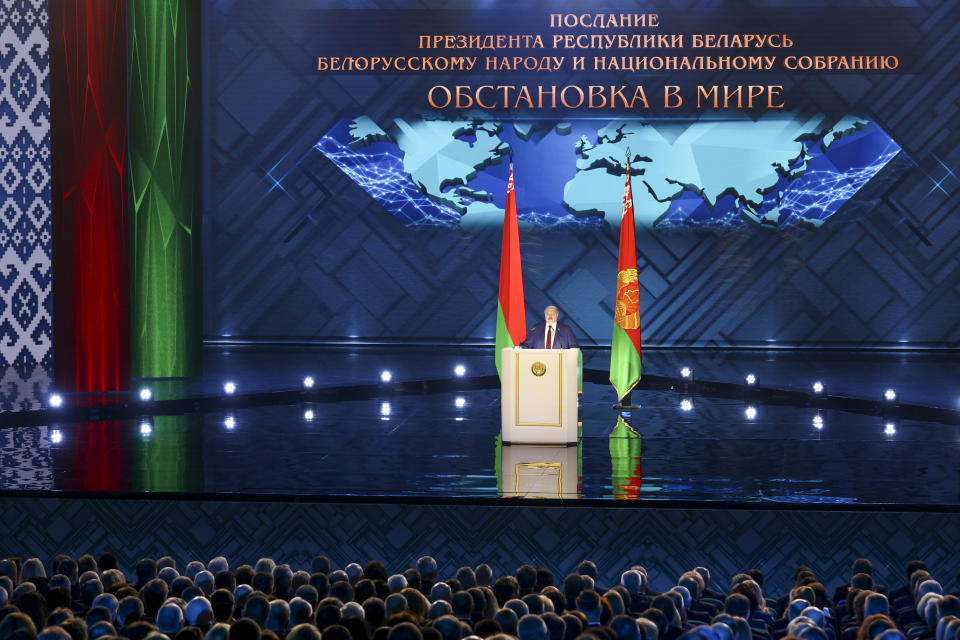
(625, 345)
(511, 314)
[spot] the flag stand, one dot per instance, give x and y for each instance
(625, 404)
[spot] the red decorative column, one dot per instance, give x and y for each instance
(91, 284)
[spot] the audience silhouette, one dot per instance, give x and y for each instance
(92, 598)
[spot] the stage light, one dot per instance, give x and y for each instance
(230, 422)
(459, 370)
(385, 410)
(146, 428)
(686, 373)
(818, 421)
(750, 412)
(145, 394)
(818, 387)
(459, 418)
(385, 376)
(889, 395)
(686, 405)
(751, 379)
(309, 415)
(229, 388)
(308, 382)
(460, 402)
(890, 429)
(55, 401)
(56, 436)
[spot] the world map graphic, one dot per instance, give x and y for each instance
(781, 171)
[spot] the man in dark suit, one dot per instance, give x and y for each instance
(550, 334)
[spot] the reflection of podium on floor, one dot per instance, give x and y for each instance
(538, 396)
(539, 471)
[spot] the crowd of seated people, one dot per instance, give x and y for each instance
(92, 599)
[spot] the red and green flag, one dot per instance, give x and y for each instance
(511, 313)
(625, 345)
(626, 478)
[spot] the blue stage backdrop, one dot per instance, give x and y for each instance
(350, 195)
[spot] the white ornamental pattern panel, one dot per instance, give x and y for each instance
(26, 332)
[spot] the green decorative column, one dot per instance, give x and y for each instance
(170, 457)
(165, 178)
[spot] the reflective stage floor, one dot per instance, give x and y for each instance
(436, 437)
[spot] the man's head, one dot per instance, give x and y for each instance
(531, 627)
(427, 567)
(633, 581)
(589, 603)
(550, 314)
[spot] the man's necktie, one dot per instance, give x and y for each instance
(549, 337)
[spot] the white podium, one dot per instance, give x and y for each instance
(539, 471)
(538, 396)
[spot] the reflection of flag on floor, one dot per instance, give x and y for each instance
(625, 345)
(511, 313)
(625, 461)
